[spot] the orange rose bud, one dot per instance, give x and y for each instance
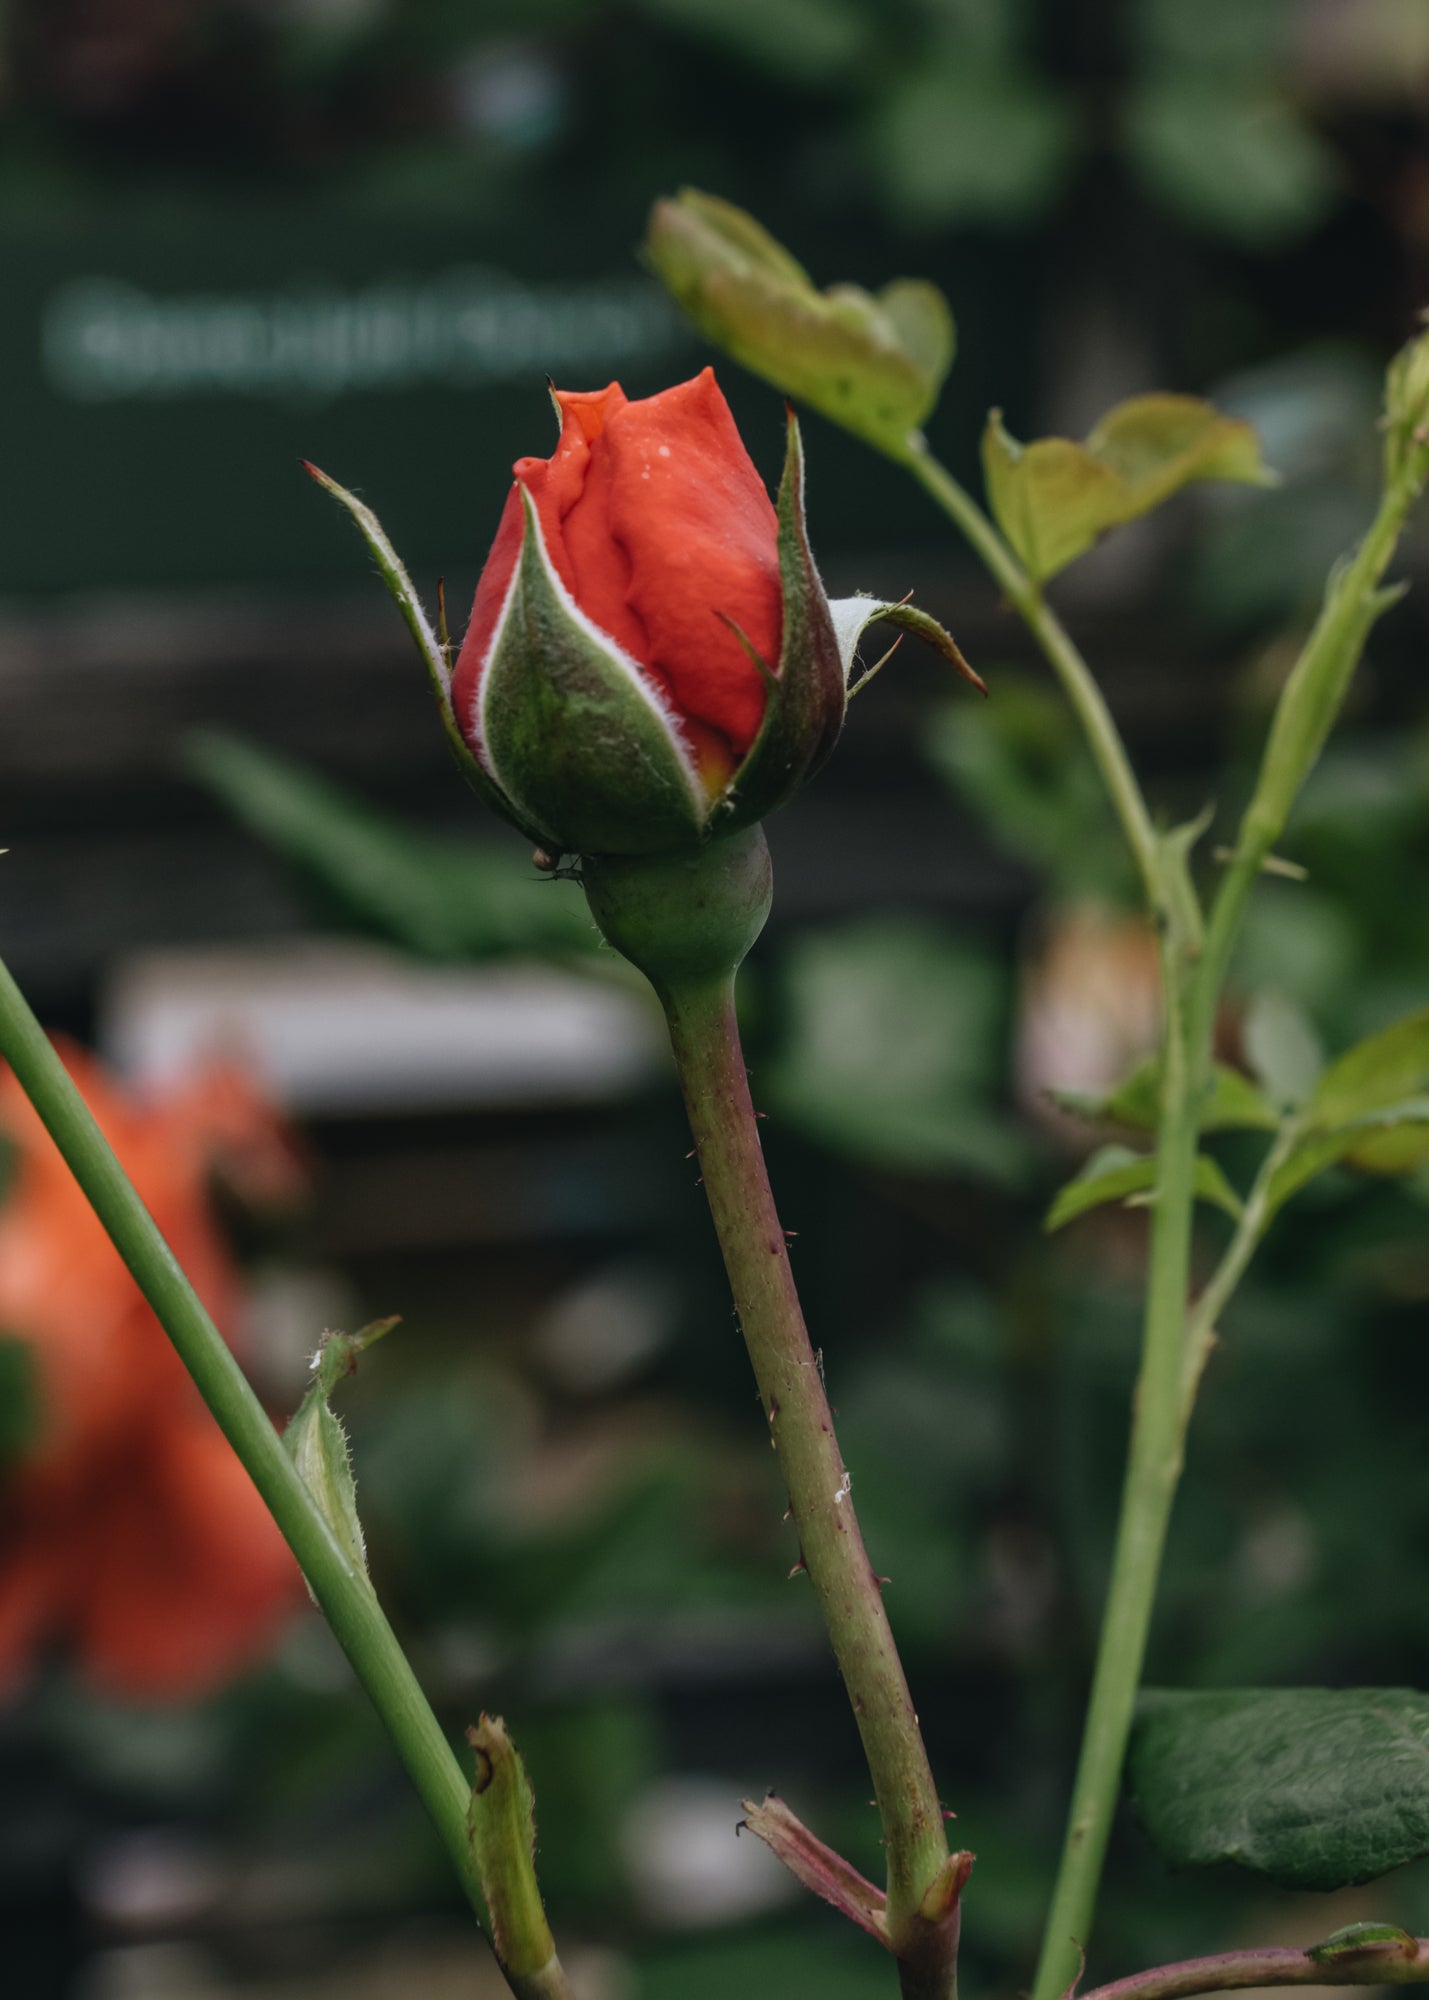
(651, 660)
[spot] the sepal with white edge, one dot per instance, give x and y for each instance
(806, 697)
(573, 732)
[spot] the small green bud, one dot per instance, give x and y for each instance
(1406, 413)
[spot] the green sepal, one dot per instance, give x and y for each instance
(874, 363)
(502, 1823)
(576, 734)
(317, 1443)
(806, 700)
(434, 656)
(853, 615)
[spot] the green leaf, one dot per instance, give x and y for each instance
(1313, 1787)
(1394, 1140)
(1115, 1173)
(1232, 1104)
(1054, 497)
(1385, 1069)
(317, 1443)
(444, 899)
(1369, 1110)
(1051, 498)
(872, 363)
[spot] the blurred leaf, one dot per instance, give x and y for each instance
(1313, 1787)
(894, 1046)
(961, 139)
(1021, 763)
(1115, 1172)
(1233, 1104)
(1371, 1077)
(1282, 1047)
(874, 364)
(1228, 36)
(440, 898)
(1317, 414)
(1053, 498)
(803, 41)
(1369, 1109)
(1232, 158)
(20, 1412)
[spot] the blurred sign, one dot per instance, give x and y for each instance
(162, 373)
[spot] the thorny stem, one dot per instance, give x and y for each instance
(705, 1038)
(342, 1590)
(1272, 1966)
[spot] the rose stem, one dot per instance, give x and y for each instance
(705, 1036)
(344, 1594)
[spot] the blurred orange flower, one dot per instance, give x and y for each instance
(128, 1529)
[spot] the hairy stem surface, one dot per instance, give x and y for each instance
(705, 1037)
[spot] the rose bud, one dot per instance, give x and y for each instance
(651, 659)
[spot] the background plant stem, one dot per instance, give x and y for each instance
(342, 1590)
(1078, 683)
(1171, 1359)
(705, 1037)
(1153, 1471)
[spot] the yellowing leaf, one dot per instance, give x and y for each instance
(1054, 497)
(1051, 499)
(1160, 443)
(874, 363)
